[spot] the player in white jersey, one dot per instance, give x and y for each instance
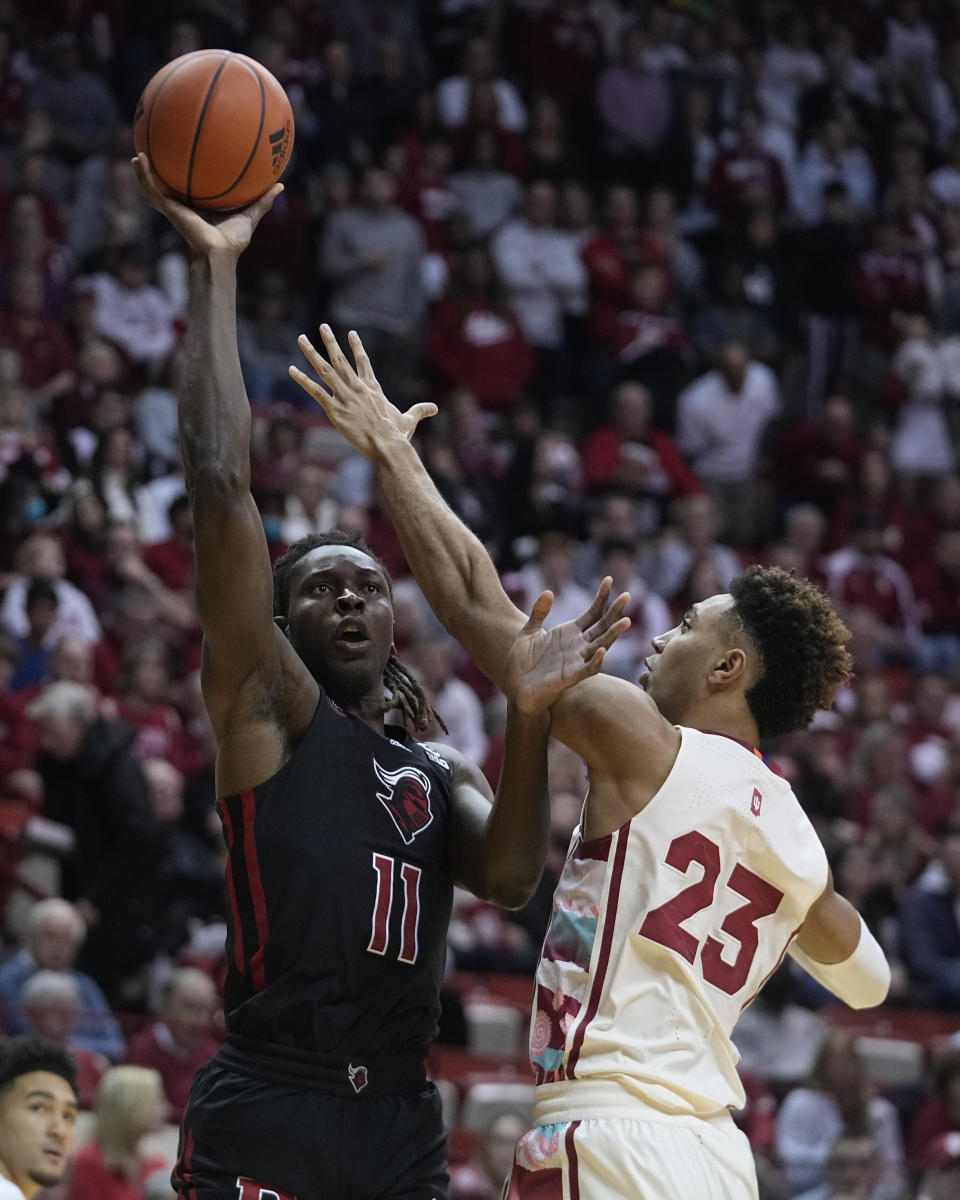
(693, 871)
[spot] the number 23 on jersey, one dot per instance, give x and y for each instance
(664, 924)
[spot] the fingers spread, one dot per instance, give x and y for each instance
(541, 610)
(596, 608)
(310, 386)
(315, 358)
(337, 357)
(361, 358)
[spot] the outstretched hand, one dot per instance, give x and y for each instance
(204, 232)
(352, 397)
(543, 663)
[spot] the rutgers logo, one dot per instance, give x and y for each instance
(249, 1189)
(358, 1077)
(406, 798)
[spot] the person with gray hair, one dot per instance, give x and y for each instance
(93, 784)
(51, 1004)
(54, 934)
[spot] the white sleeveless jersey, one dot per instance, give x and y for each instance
(664, 931)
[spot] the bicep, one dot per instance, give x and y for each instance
(831, 931)
(615, 728)
(234, 591)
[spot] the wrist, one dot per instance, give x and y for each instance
(214, 260)
(390, 450)
(527, 720)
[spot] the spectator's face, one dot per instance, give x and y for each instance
(41, 616)
(60, 739)
(853, 1165)
(734, 361)
(499, 1145)
(118, 452)
(54, 1019)
(555, 559)
(478, 63)
(72, 660)
(56, 943)
(26, 293)
(698, 520)
(38, 1117)
(45, 560)
(946, 553)
(632, 411)
(338, 63)
(189, 1010)
(150, 678)
(946, 501)
(622, 207)
(541, 205)
(950, 857)
(378, 188)
(165, 784)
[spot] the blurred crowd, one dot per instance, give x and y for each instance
(684, 280)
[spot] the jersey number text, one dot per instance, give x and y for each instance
(663, 924)
(384, 865)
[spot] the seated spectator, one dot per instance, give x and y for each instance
(649, 615)
(941, 1179)
(818, 461)
(837, 1098)
(746, 175)
(425, 191)
(132, 311)
(930, 929)
(41, 557)
(482, 1178)
(552, 567)
(610, 256)
(180, 1041)
(635, 107)
(924, 377)
(629, 453)
(143, 687)
(455, 701)
(372, 258)
(889, 281)
(474, 340)
(113, 1164)
(264, 339)
(479, 67)
(51, 1007)
(691, 535)
(861, 575)
(853, 1168)
(488, 194)
(17, 736)
(171, 560)
(46, 352)
(116, 472)
(41, 606)
(646, 337)
(721, 420)
(94, 786)
(82, 537)
(78, 108)
(937, 586)
(52, 941)
(874, 488)
(940, 1113)
(309, 507)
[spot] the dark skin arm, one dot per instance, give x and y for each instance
(612, 724)
(258, 693)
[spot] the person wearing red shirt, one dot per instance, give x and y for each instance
(643, 334)
(629, 454)
(172, 560)
(46, 353)
(937, 586)
(613, 253)
(425, 193)
(474, 341)
(180, 1042)
(746, 176)
(818, 462)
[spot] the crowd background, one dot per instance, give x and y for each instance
(683, 278)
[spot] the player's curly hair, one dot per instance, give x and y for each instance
(23, 1055)
(800, 642)
(407, 697)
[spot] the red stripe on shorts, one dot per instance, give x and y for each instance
(573, 1165)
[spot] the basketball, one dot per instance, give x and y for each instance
(217, 128)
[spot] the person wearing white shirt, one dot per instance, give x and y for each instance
(453, 93)
(721, 418)
(541, 269)
(41, 557)
(38, 1115)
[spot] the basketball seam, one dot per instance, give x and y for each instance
(203, 112)
(153, 105)
(256, 140)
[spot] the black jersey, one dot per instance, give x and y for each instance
(340, 894)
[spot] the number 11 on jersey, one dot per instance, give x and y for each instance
(384, 866)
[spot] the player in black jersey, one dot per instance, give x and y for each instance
(345, 835)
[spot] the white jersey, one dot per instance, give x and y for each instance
(664, 931)
(9, 1191)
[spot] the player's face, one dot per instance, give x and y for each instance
(38, 1122)
(341, 618)
(683, 658)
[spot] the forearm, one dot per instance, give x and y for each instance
(214, 411)
(514, 847)
(450, 564)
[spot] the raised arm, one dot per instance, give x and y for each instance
(234, 578)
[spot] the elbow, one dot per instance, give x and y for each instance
(511, 889)
(214, 481)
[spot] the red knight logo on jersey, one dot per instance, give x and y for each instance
(406, 798)
(249, 1189)
(358, 1077)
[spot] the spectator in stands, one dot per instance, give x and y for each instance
(853, 1168)
(817, 461)
(52, 940)
(46, 354)
(942, 1176)
(552, 567)
(721, 420)
(936, 583)
(310, 507)
(41, 557)
(482, 1178)
(474, 340)
(180, 1041)
(690, 535)
(171, 559)
(41, 610)
(479, 67)
(541, 270)
(51, 1007)
(132, 311)
(264, 339)
(372, 256)
(143, 688)
(635, 107)
(940, 1113)
(930, 928)
(94, 785)
(488, 194)
(79, 110)
(113, 1165)
(116, 472)
(454, 700)
(811, 1118)
(344, 115)
(746, 175)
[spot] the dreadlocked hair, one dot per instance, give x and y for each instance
(407, 697)
(801, 644)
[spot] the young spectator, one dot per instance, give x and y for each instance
(811, 1118)
(474, 340)
(113, 1165)
(116, 472)
(179, 1042)
(52, 940)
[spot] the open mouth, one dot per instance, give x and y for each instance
(352, 635)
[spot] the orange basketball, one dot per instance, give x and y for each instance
(217, 127)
